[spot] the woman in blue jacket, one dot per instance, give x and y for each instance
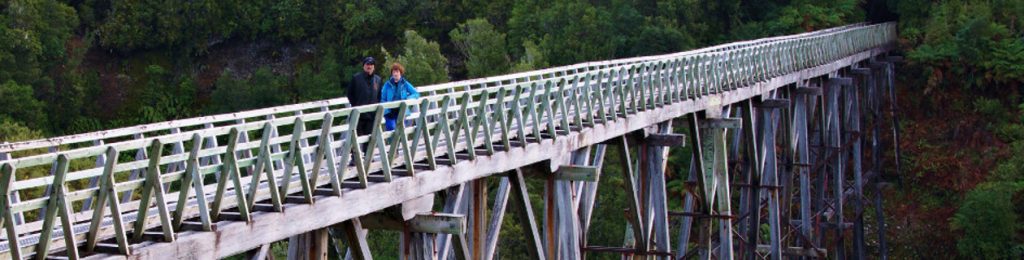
(395, 89)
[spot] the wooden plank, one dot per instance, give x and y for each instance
(517, 114)
(567, 212)
(632, 198)
(351, 147)
(153, 188)
(524, 212)
(667, 140)
(446, 131)
(9, 225)
(193, 180)
(355, 238)
(477, 213)
(296, 164)
(501, 118)
(532, 113)
(265, 166)
(462, 124)
(325, 153)
(751, 197)
(461, 247)
(260, 253)
(58, 205)
(423, 133)
(576, 173)
(454, 199)
(861, 71)
(721, 123)
(497, 216)
(657, 160)
(840, 81)
(434, 223)
(808, 91)
(93, 182)
(774, 103)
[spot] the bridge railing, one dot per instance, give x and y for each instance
(244, 166)
(14, 149)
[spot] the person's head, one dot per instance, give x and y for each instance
(397, 71)
(368, 65)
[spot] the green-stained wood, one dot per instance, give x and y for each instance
(154, 187)
(57, 205)
(265, 166)
(6, 181)
(295, 164)
(230, 173)
(192, 180)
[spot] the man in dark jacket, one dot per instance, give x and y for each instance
(364, 89)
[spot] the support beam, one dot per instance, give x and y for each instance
(260, 253)
(797, 251)
(667, 140)
(810, 91)
(656, 160)
(750, 198)
(773, 103)
(835, 138)
(355, 238)
(476, 234)
(524, 212)
(588, 194)
(576, 173)
(694, 197)
(416, 207)
(799, 147)
(434, 223)
(721, 123)
(497, 217)
(636, 225)
(454, 199)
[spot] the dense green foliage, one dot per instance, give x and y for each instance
(422, 59)
(977, 42)
(106, 64)
(969, 55)
(77, 66)
(484, 48)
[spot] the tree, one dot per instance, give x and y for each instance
(319, 82)
(12, 131)
(264, 89)
(989, 222)
(422, 59)
(483, 47)
(532, 58)
(966, 43)
(20, 106)
(576, 31)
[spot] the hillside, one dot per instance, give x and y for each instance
(74, 66)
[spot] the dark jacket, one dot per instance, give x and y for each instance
(364, 89)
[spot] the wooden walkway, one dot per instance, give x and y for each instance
(217, 186)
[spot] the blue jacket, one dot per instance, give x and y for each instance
(394, 91)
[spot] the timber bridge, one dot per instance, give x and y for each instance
(791, 124)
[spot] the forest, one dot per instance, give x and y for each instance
(75, 66)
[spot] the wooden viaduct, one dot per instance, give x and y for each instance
(784, 134)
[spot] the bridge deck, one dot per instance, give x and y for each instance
(515, 121)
